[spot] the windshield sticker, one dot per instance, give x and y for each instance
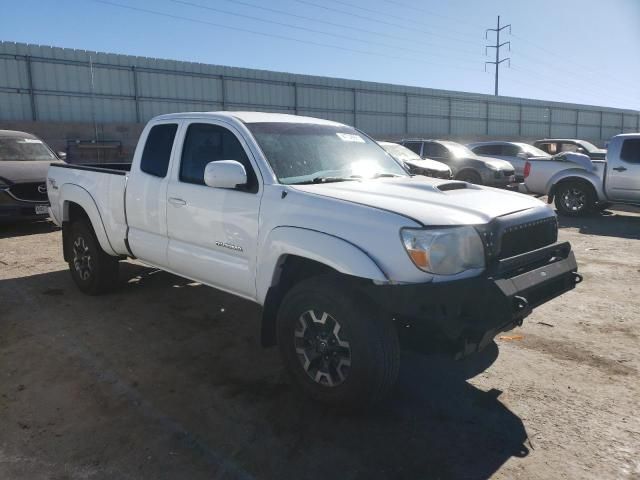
(29, 140)
(350, 137)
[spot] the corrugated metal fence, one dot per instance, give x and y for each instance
(40, 83)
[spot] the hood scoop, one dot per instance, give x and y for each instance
(445, 187)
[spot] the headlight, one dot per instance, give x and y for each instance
(444, 251)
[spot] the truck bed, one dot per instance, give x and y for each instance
(543, 170)
(104, 184)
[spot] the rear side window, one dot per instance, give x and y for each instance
(157, 150)
(631, 150)
(509, 150)
(487, 150)
(206, 143)
(435, 150)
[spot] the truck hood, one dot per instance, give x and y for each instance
(429, 164)
(497, 163)
(24, 171)
(426, 200)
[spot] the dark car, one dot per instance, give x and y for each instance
(558, 145)
(465, 165)
(24, 161)
(414, 163)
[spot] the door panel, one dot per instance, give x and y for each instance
(623, 171)
(213, 231)
(146, 194)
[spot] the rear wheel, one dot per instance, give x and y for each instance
(469, 176)
(92, 270)
(336, 348)
(574, 199)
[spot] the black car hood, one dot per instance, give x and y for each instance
(24, 171)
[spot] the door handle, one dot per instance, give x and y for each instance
(620, 169)
(178, 202)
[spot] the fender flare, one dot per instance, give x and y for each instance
(337, 253)
(574, 174)
(70, 192)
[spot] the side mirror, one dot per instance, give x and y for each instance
(62, 155)
(225, 174)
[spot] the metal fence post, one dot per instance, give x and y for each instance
(550, 121)
(577, 118)
(355, 108)
(520, 121)
(601, 125)
(406, 113)
(295, 97)
(135, 93)
(223, 92)
(449, 120)
(486, 119)
(32, 97)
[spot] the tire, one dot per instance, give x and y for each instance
(574, 199)
(469, 176)
(92, 270)
(335, 347)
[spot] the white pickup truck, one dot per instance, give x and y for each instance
(579, 184)
(349, 256)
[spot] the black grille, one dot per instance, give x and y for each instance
(528, 236)
(30, 192)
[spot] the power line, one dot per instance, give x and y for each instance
(404, 19)
(305, 29)
(351, 27)
(498, 46)
(430, 12)
(271, 35)
(383, 22)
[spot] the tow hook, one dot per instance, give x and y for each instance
(577, 278)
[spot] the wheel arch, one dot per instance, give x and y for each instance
(78, 203)
(575, 175)
(291, 254)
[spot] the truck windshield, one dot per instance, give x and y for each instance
(24, 149)
(312, 153)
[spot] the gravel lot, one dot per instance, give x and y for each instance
(166, 379)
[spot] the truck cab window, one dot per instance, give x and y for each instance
(206, 143)
(631, 150)
(157, 150)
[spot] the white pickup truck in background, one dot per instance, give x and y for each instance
(348, 255)
(579, 185)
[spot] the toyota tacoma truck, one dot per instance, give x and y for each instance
(579, 184)
(348, 255)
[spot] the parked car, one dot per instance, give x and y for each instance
(579, 185)
(516, 153)
(465, 165)
(414, 163)
(24, 160)
(348, 255)
(558, 145)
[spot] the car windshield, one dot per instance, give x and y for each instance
(533, 151)
(399, 152)
(311, 153)
(24, 149)
(458, 150)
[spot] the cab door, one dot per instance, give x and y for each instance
(146, 194)
(623, 171)
(213, 231)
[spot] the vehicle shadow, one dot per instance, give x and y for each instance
(163, 353)
(21, 229)
(606, 223)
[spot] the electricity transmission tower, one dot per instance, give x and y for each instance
(497, 46)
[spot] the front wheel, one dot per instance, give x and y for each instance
(93, 270)
(574, 199)
(337, 349)
(469, 176)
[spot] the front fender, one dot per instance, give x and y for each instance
(76, 194)
(332, 251)
(574, 174)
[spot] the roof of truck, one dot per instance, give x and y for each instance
(250, 117)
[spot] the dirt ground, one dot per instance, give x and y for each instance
(166, 379)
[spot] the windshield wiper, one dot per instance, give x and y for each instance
(324, 180)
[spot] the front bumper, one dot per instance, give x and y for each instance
(464, 316)
(12, 209)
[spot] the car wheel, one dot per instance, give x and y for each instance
(574, 198)
(469, 176)
(336, 348)
(92, 270)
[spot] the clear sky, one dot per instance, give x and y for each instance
(581, 51)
